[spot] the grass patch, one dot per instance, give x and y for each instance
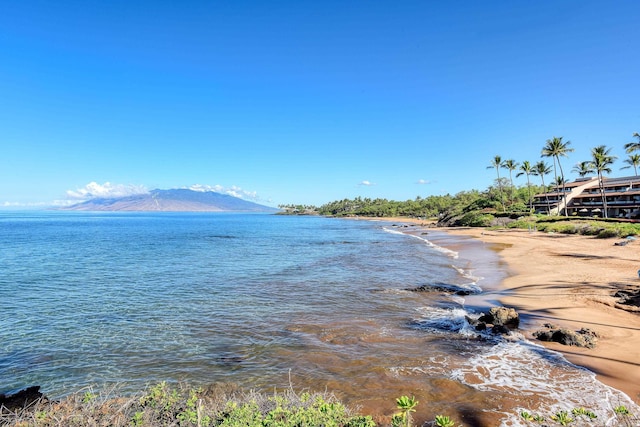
(587, 227)
(226, 406)
(163, 405)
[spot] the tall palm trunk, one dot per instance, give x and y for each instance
(546, 195)
(500, 191)
(564, 194)
(603, 195)
(529, 191)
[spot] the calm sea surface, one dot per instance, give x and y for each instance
(131, 299)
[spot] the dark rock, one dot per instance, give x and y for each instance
(582, 338)
(501, 320)
(21, 400)
(471, 321)
(442, 287)
(588, 332)
(501, 316)
(628, 297)
(500, 330)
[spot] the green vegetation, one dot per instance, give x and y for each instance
(432, 207)
(444, 421)
(589, 227)
(475, 209)
(621, 410)
(162, 405)
(225, 406)
(562, 418)
(502, 204)
(406, 405)
(583, 417)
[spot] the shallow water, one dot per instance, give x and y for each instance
(267, 301)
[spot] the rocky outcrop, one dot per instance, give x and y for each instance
(501, 316)
(583, 338)
(501, 320)
(20, 400)
(444, 288)
(628, 297)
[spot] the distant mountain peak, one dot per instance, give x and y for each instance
(173, 200)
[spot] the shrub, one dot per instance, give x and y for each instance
(179, 406)
(475, 219)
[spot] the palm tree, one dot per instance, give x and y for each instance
(510, 165)
(497, 164)
(559, 182)
(527, 169)
(556, 148)
(601, 162)
(541, 169)
(632, 160)
(583, 168)
(633, 146)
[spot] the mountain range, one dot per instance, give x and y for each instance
(174, 200)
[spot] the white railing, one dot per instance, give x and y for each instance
(573, 193)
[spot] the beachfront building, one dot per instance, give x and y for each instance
(583, 197)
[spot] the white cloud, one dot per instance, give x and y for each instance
(366, 183)
(423, 181)
(24, 204)
(94, 190)
(107, 190)
(234, 191)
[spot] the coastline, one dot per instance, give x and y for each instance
(569, 281)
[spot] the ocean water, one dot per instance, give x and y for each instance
(264, 302)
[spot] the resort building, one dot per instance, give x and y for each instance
(583, 197)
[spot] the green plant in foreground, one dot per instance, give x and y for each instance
(584, 412)
(397, 420)
(137, 419)
(538, 418)
(444, 421)
(193, 412)
(526, 416)
(88, 397)
(531, 417)
(562, 417)
(406, 405)
(621, 410)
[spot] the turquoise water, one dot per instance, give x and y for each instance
(131, 299)
(136, 297)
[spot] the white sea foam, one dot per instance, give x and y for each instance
(514, 365)
(446, 251)
(466, 274)
(457, 299)
(530, 369)
(431, 366)
(437, 319)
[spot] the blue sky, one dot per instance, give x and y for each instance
(305, 102)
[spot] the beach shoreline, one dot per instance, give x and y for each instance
(569, 281)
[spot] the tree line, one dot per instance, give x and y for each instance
(599, 164)
(504, 196)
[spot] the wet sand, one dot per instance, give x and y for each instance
(570, 281)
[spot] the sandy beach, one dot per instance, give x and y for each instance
(569, 281)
